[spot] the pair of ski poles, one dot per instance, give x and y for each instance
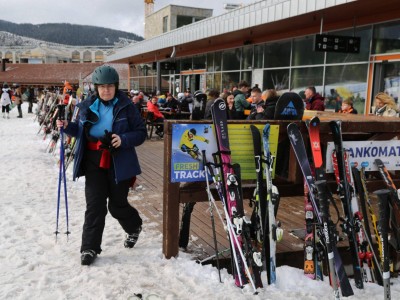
(61, 175)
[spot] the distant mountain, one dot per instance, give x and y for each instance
(70, 34)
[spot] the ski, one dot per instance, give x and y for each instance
(312, 259)
(345, 197)
(328, 232)
(383, 196)
(273, 232)
(300, 152)
(394, 203)
(231, 192)
(369, 249)
(259, 213)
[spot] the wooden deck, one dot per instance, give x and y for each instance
(149, 189)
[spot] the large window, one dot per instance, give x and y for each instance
(365, 33)
(277, 54)
(304, 77)
(229, 79)
(199, 62)
(186, 64)
(247, 59)
(231, 59)
(276, 79)
(258, 56)
(386, 38)
(304, 54)
(217, 61)
(346, 81)
(210, 62)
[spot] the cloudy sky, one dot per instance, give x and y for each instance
(126, 15)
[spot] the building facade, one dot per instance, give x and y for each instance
(273, 44)
(172, 17)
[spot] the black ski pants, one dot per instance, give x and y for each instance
(99, 186)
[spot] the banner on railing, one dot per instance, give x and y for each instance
(363, 153)
(189, 141)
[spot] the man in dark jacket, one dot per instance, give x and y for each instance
(171, 102)
(258, 105)
(108, 128)
(240, 99)
(314, 101)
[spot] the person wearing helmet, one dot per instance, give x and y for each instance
(213, 94)
(199, 105)
(107, 130)
(187, 143)
(184, 100)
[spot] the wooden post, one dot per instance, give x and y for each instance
(171, 200)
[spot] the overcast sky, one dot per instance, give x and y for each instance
(126, 15)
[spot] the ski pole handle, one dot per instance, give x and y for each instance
(61, 112)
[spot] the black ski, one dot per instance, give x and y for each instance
(345, 197)
(383, 196)
(328, 232)
(299, 149)
(394, 203)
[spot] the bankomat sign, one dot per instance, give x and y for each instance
(364, 153)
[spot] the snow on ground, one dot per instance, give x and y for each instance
(35, 266)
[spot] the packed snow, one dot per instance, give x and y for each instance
(36, 266)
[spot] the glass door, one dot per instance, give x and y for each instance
(387, 79)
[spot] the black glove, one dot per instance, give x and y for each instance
(106, 141)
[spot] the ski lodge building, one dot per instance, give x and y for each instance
(345, 48)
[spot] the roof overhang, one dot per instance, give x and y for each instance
(348, 14)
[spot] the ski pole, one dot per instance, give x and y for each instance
(212, 216)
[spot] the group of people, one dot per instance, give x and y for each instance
(10, 97)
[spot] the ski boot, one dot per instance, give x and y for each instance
(88, 257)
(131, 238)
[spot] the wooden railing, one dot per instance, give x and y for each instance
(289, 181)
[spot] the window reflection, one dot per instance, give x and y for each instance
(346, 81)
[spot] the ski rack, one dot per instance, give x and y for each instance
(175, 193)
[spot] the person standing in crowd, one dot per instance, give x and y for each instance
(384, 106)
(230, 105)
(212, 95)
(258, 105)
(108, 128)
(240, 99)
(271, 98)
(31, 99)
(347, 107)
(314, 101)
(18, 100)
(5, 101)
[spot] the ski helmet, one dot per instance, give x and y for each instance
(192, 131)
(199, 95)
(105, 75)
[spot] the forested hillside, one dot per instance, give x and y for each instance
(69, 34)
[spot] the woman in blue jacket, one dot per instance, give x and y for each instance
(108, 128)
